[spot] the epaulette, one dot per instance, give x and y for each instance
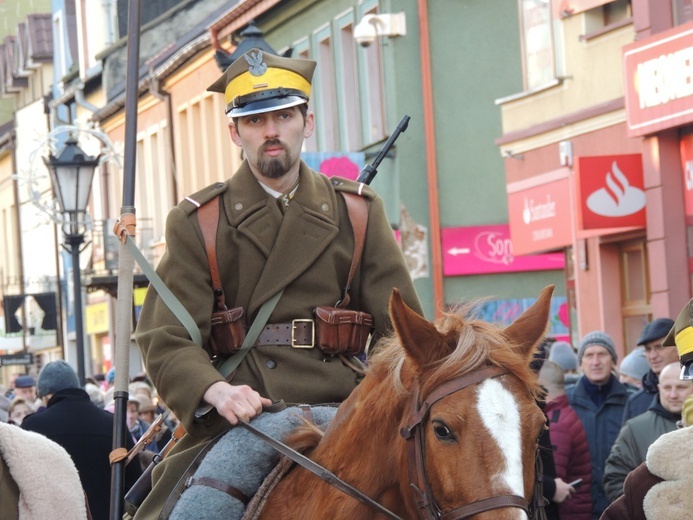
(191, 203)
(349, 186)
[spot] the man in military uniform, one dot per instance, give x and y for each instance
(281, 226)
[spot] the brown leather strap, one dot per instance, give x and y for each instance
(486, 504)
(298, 333)
(220, 486)
(358, 215)
(208, 219)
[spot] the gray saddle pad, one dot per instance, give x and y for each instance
(241, 460)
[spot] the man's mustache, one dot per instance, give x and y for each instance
(274, 143)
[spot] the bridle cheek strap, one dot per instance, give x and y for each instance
(413, 433)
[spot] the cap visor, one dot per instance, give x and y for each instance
(266, 105)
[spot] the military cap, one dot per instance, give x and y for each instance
(260, 82)
(681, 336)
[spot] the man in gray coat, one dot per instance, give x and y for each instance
(636, 436)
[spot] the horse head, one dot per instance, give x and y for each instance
(472, 429)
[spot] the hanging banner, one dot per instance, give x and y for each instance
(611, 192)
(489, 249)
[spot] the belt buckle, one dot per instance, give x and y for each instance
(293, 335)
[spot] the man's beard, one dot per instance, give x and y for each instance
(274, 167)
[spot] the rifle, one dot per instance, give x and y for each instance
(140, 489)
(370, 170)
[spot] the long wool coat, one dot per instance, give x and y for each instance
(307, 251)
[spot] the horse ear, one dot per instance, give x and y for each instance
(419, 337)
(529, 328)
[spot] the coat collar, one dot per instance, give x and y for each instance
(288, 243)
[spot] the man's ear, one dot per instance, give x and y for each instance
(309, 127)
(233, 130)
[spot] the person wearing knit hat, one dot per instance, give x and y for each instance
(563, 354)
(652, 339)
(74, 422)
(55, 376)
(633, 368)
(598, 399)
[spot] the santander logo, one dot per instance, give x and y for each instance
(617, 198)
(538, 210)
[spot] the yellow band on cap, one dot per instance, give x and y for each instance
(246, 83)
(684, 341)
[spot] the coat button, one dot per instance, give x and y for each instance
(238, 206)
(271, 363)
(325, 207)
(219, 185)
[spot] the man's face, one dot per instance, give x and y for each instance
(659, 356)
(597, 364)
(132, 414)
(29, 393)
(672, 390)
(272, 141)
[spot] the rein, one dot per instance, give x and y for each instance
(413, 434)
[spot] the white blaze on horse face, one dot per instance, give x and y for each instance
(500, 414)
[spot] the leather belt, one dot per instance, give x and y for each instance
(297, 334)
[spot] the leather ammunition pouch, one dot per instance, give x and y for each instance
(342, 331)
(228, 332)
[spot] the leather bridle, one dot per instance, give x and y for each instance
(414, 436)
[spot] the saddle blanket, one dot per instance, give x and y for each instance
(242, 460)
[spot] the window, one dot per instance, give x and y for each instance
(537, 43)
(683, 11)
(348, 94)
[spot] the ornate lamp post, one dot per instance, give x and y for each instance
(71, 174)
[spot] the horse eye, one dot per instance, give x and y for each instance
(442, 431)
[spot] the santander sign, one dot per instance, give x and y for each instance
(611, 191)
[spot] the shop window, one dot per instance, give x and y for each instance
(606, 17)
(635, 290)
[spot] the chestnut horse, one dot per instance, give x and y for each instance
(467, 386)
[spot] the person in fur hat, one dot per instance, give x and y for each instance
(28, 490)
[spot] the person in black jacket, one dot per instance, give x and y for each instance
(652, 339)
(83, 429)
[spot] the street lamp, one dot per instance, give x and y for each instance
(71, 175)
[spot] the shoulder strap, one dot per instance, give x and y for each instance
(358, 215)
(208, 218)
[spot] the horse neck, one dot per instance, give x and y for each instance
(363, 439)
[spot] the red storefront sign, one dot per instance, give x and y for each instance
(610, 191)
(540, 213)
(489, 249)
(687, 168)
(659, 81)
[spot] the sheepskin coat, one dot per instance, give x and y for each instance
(38, 480)
(660, 488)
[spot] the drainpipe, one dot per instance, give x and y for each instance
(81, 100)
(158, 92)
(18, 230)
(431, 166)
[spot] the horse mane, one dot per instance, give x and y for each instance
(479, 344)
(306, 437)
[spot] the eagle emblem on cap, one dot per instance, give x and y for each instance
(257, 67)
